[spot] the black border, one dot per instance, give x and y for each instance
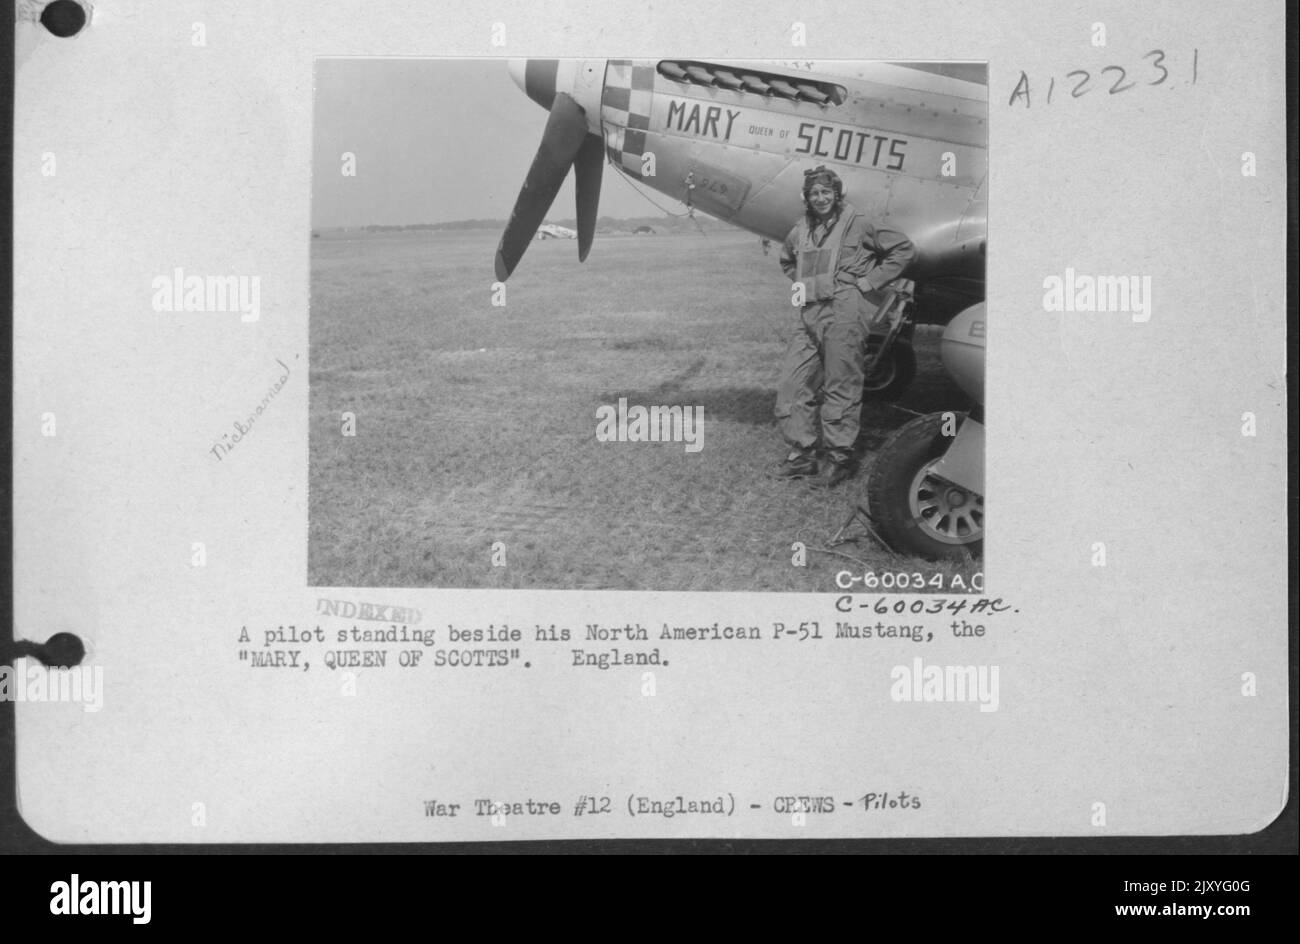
(16, 837)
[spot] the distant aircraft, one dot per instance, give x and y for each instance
(910, 142)
(551, 231)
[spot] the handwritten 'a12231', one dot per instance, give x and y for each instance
(1156, 69)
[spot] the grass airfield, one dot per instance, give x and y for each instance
(476, 424)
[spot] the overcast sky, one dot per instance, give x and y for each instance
(435, 140)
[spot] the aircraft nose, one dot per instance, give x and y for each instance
(536, 77)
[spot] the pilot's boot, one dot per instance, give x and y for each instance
(799, 464)
(839, 468)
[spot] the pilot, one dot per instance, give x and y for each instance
(843, 261)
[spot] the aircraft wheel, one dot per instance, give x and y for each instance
(915, 511)
(893, 375)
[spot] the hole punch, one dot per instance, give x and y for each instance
(60, 651)
(64, 18)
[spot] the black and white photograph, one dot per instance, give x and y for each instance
(671, 324)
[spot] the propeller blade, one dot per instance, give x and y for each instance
(565, 132)
(586, 171)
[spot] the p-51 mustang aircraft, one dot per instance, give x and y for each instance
(734, 138)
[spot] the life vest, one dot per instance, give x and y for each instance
(815, 265)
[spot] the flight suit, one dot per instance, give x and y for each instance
(839, 262)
